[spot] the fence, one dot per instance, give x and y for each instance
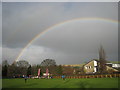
(91, 76)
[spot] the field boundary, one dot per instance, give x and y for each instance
(91, 76)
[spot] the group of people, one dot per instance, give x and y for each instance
(63, 78)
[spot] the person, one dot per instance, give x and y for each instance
(51, 77)
(25, 79)
(63, 77)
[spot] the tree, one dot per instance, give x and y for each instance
(0, 71)
(48, 62)
(22, 63)
(5, 62)
(34, 70)
(4, 71)
(21, 67)
(102, 59)
(41, 73)
(4, 68)
(59, 70)
(12, 70)
(29, 71)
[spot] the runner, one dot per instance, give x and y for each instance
(63, 77)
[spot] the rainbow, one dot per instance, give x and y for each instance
(60, 25)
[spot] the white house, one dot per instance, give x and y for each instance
(91, 66)
(113, 65)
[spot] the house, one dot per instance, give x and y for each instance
(95, 66)
(111, 69)
(91, 67)
(114, 65)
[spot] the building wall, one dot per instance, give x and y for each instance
(110, 68)
(89, 68)
(93, 67)
(95, 63)
(116, 65)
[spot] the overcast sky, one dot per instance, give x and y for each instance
(73, 42)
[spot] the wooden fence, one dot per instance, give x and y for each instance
(91, 76)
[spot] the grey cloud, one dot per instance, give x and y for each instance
(30, 19)
(78, 41)
(82, 41)
(10, 54)
(79, 35)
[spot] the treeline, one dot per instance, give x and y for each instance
(22, 67)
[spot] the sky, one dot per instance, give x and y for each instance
(72, 42)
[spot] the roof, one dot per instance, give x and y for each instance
(111, 68)
(91, 61)
(108, 63)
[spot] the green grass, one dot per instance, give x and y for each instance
(59, 83)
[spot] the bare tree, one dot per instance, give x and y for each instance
(102, 59)
(22, 63)
(12, 70)
(19, 68)
(48, 62)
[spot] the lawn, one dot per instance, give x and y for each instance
(59, 83)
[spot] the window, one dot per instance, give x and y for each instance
(88, 67)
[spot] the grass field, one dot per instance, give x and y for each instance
(59, 83)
